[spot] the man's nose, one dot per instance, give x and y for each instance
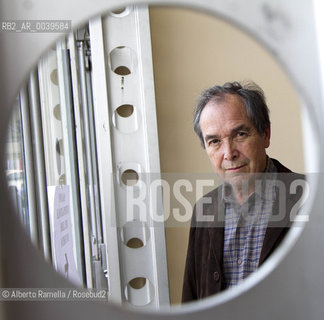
(229, 149)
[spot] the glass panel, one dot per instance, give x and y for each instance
(15, 168)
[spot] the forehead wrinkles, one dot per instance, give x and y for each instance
(224, 113)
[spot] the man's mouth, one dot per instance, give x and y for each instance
(236, 168)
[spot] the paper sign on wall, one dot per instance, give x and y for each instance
(61, 232)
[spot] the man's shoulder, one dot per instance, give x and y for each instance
(280, 167)
(285, 174)
(283, 169)
(290, 187)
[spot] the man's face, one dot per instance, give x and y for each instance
(234, 147)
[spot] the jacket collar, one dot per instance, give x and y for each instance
(274, 233)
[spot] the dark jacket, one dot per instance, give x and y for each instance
(204, 264)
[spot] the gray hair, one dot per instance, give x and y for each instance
(252, 97)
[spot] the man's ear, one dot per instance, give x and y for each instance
(267, 134)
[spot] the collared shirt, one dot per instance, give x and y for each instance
(245, 227)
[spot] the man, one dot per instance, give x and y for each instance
(238, 225)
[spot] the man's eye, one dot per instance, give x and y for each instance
(214, 142)
(241, 134)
